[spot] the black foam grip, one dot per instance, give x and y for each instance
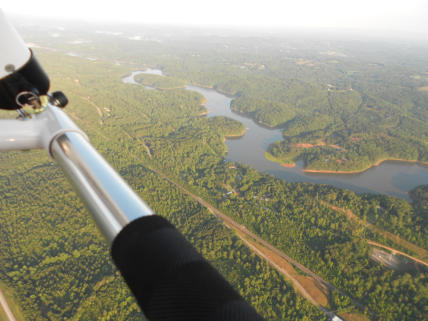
(170, 279)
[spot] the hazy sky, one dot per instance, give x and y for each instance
(400, 15)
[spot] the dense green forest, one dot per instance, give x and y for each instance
(58, 264)
(355, 102)
(52, 254)
(159, 82)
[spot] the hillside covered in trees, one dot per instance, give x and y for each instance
(354, 103)
(57, 263)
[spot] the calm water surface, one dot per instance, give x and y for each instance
(391, 178)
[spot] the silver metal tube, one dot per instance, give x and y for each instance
(19, 134)
(38, 132)
(111, 201)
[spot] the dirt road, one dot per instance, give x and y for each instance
(396, 252)
(241, 228)
(5, 306)
(421, 252)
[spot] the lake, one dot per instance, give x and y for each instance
(389, 178)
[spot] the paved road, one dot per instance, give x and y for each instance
(5, 306)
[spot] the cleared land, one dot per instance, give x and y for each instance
(422, 253)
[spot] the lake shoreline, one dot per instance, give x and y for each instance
(250, 147)
(272, 158)
(235, 136)
(377, 163)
